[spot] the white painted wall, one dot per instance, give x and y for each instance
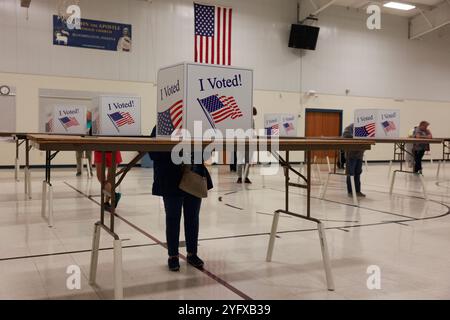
(380, 63)
(376, 66)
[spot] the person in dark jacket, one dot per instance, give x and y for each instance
(166, 179)
(419, 149)
(354, 162)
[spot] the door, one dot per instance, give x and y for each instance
(323, 123)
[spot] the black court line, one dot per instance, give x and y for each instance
(234, 207)
(342, 229)
(73, 252)
(203, 270)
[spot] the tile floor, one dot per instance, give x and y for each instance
(407, 237)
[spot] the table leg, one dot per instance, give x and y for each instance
(392, 183)
(325, 187)
(325, 256)
(118, 283)
(16, 164)
(273, 234)
(94, 254)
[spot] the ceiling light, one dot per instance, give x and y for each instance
(399, 6)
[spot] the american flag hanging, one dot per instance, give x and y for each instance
(171, 119)
(212, 34)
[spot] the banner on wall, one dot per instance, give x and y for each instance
(93, 34)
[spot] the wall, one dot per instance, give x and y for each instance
(376, 66)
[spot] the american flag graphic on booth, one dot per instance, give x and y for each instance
(274, 130)
(120, 119)
(49, 125)
(218, 109)
(171, 119)
(288, 126)
(388, 126)
(68, 122)
(212, 42)
(365, 131)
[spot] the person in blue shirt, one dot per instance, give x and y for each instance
(166, 179)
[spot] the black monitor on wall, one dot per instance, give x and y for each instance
(303, 37)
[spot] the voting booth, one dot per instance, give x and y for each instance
(116, 115)
(214, 97)
(377, 123)
(280, 124)
(67, 120)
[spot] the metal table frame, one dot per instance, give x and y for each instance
(399, 156)
(20, 139)
(445, 155)
(56, 145)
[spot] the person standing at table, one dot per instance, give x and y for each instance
(110, 172)
(243, 166)
(354, 163)
(88, 154)
(419, 149)
(166, 180)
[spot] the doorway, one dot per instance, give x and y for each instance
(323, 123)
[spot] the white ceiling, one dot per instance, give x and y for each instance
(422, 4)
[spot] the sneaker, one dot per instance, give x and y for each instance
(195, 261)
(118, 196)
(239, 180)
(78, 174)
(173, 263)
(247, 180)
(360, 194)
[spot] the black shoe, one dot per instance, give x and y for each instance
(78, 174)
(173, 263)
(360, 194)
(247, 180)
(195, 261)
(239, 180)
(107, 206)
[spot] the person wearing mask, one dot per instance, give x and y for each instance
(166, 180)
(354, 163)
(244, 158)
(419, 149)
(87, 154)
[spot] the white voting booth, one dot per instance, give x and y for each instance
(217, 97)
(377, 123)
(116, 115)
(280, 124)
(67, 120)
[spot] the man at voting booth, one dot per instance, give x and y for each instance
(419, 149)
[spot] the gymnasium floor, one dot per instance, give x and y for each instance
(405, 236)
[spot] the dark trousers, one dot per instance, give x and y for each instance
(191, 209)
(354, 168)
(418, 155)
